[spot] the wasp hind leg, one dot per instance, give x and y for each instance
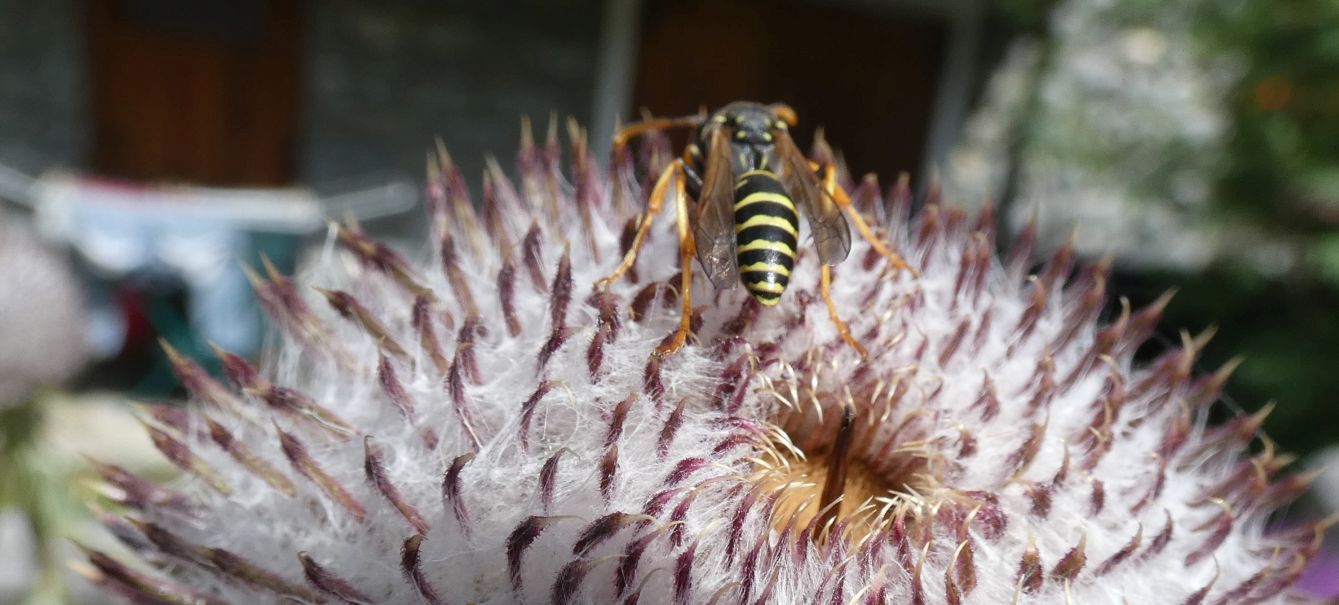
(825, 288)
(828, 174)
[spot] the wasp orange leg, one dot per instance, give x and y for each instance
(653, 206)
(843, 201)
(626, 133)
(687, 252)
(825, 288)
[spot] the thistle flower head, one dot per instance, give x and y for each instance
(41, 336)
(483, 426)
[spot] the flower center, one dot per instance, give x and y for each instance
(836, 484)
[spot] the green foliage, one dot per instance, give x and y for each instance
(1282, 176)
(1277, 180)
(1283, 169)
(37, 484)
(1024, 15)
(1326, 257)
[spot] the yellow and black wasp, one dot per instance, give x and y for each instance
(748, 183)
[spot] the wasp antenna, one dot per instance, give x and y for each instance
(784, 113)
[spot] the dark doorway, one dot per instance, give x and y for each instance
(195, 91)
(867, 76)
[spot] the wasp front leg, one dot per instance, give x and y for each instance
(674, 176)
(635, 129)
(828, 174)
(674, 173)
(687, 252)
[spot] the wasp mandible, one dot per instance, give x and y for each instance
(748, 182)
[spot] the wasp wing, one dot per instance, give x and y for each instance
(832, 237)
(715, 230)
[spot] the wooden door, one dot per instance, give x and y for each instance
(868, 76)
(202, 91)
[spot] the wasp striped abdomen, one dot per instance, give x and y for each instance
(766, 231)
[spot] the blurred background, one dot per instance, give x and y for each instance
(146, 146)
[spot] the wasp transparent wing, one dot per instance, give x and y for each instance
(832, 237)
(715, 230)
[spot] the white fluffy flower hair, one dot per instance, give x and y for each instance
(485, 426)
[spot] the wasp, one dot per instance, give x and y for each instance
(738, 191)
